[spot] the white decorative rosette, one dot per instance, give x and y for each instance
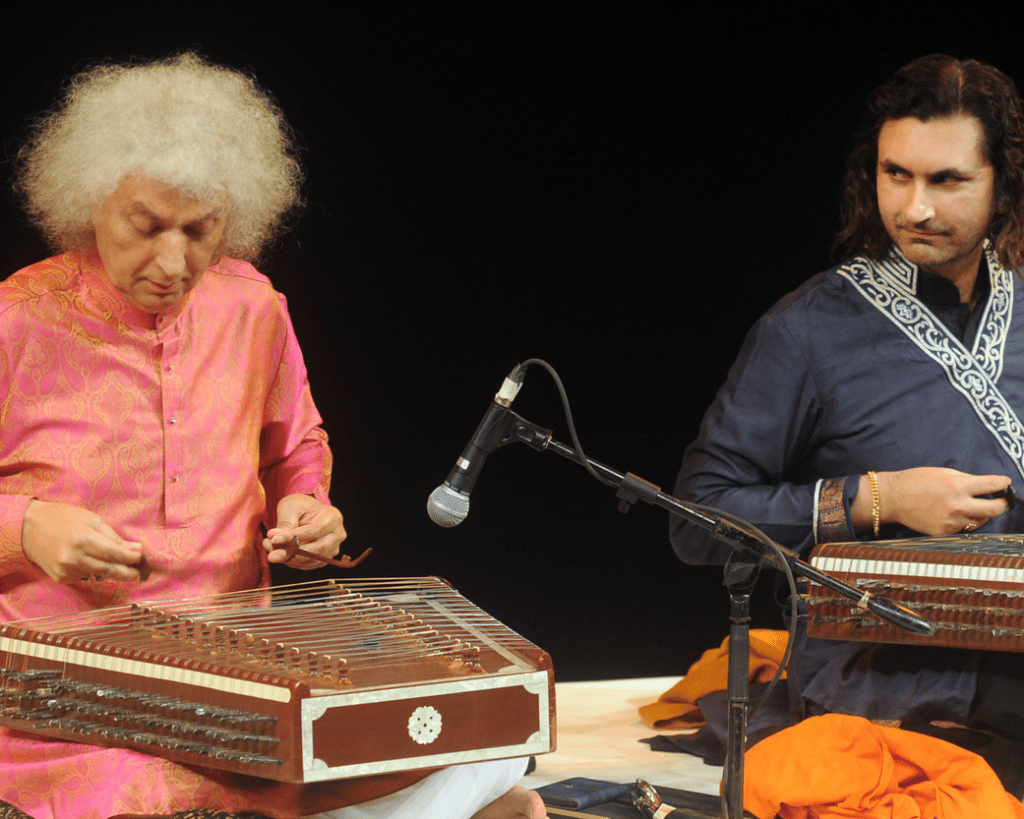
(425, 725)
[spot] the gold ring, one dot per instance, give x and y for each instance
(971, 526)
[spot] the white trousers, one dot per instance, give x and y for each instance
(452, 793)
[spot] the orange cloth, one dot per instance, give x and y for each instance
(677, 707)
(837, 767)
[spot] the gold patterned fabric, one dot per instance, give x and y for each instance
(180, 431)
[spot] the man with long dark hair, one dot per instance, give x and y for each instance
(884, 398)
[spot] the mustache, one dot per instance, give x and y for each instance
(925, 226)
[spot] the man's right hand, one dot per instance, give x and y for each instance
(72, 544)
(931, 500)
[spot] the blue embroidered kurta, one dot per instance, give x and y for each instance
(853, 372)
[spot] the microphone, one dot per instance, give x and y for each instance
(896, 614)
(448, 505)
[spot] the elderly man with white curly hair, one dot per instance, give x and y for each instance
(155, 417)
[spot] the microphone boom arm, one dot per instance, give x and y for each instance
(732, 533)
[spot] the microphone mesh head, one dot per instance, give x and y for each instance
(447, 507)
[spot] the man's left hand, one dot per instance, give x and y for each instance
(317, 527)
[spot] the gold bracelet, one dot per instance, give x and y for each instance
(876, 502)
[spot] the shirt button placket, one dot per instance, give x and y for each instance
(173, 445)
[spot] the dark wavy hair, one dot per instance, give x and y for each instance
(934, 87)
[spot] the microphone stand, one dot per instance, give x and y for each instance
(751, 550)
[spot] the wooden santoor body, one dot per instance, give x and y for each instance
(305, 683)
(971, 588)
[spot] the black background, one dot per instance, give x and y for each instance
(617, 190)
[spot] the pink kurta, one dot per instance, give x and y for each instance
(180, 435)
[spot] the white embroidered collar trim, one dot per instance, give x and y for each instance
(891, 287)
